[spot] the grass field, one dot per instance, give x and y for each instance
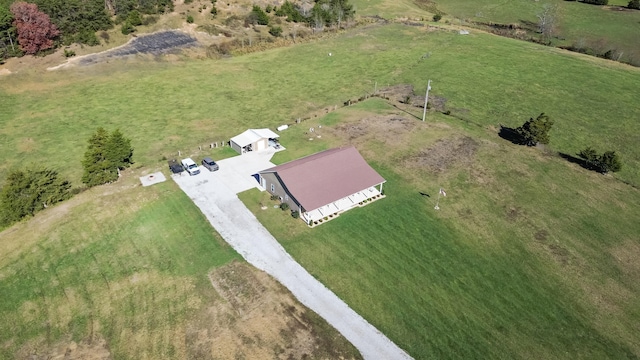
(602, 27)
(52, 119)
(123, 272)
(530, 256)
(524, 260)
(72, 272)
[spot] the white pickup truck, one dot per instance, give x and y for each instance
(190, 166)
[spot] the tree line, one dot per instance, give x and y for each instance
(29, 190)
(37, 25)
(323, 13)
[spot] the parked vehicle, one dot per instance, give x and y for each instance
(210, 164)
(190, 166)
(175, 166)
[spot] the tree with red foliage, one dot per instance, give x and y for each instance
(35, 30)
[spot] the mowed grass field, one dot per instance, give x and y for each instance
(529, 257)
(125, 267)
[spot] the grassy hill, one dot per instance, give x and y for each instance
(600, 27)
(531, 256)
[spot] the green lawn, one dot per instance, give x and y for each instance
(121, 265)
(522, 260)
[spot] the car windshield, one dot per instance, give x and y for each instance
(192, 166)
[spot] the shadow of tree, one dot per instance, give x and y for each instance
(576, 160)
(510, 134)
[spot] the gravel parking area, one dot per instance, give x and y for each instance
(215, 194)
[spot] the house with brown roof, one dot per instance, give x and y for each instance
(324, 185)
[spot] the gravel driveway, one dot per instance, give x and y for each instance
(215, 195)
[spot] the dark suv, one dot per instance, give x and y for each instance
(210, 164)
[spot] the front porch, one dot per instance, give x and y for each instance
(334, 209)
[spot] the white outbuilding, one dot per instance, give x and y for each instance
(255, 140)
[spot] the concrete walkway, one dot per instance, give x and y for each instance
(216, 197)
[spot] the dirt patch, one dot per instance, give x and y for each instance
(405, 94)
(513, 213)
(391, 129)
(95, 349)
(257, 318)
(444, 154)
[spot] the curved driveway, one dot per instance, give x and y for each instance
(215, 195)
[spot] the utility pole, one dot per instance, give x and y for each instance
(426, 100)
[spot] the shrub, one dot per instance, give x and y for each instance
(274, 197)
(596, 2)
(295, 214)
(87, 37)
(134, 18)
(190, 19)
(609, 161)
(268, 9)
(214, 11)
(437, 17)
(634, 4)
(127, 28)
(69, 53)
(275, 31)
(284, 206)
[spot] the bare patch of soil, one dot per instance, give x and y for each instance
(444, 154)
(95, 349)
(405, 94)
(257, 318)
(391, 129)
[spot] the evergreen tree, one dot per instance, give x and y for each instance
(105, 155)
(258, 16)
(634, 4)
(607, 162)
(119, 151)
(27, 192)
(535, 131)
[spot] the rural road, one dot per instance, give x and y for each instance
(216, 197)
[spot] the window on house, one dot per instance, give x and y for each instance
(273, 187)
(286, 198)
